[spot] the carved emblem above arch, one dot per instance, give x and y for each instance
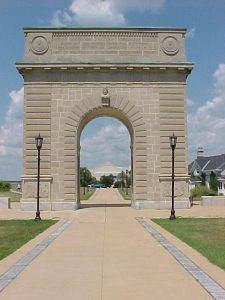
(39, 45)
(126, 109)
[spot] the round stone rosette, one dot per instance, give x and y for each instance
(170, 45)
(39, 45)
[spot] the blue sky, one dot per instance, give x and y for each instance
(205, 46)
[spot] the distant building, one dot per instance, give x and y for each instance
(202, 166)
(107, 169)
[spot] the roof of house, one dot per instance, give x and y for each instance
(209, 163)
(221, 178)
(195, 179)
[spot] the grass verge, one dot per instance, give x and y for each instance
(88, 193)
(124, 194)
(205, 235)
(14, 197)
(16, 233)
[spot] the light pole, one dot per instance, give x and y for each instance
(173, 142)
(126, 182)
(122, 180)
(39, 141)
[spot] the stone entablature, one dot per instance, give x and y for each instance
(130, 45)
(73, 75)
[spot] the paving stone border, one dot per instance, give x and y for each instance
(7, 277)
(209, 284)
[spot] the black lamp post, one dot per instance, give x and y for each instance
(122, 180)
(173, 142)
(39, 141)
(126, 182)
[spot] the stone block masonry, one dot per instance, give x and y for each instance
(73, 75)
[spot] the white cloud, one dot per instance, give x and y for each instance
(220, 78)
(110, 144)
(207, 124)
(191, 33)
(11, 135)
(60, 18)
(101, 12)
(96, 12)
(190, 102)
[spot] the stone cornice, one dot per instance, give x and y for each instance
(183, 67)
(105, 29)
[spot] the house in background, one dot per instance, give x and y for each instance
(201, 168)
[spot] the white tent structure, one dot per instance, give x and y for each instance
(107, 169)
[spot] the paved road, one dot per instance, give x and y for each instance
(105, 254)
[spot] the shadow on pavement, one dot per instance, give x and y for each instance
(103, 205)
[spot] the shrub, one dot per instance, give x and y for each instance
(202, 191)
(199, 191)
(117, 184)
(5, 186)
(212, 193)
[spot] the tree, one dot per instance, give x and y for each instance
(203, 179)
(107, 180)
(213, 182)
(121, 176)
(117, 184)
(5, 186)
(94, 180)
(85, 177)
(129, 179)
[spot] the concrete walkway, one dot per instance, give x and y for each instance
(106, 254)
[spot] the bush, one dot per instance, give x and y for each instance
(212, 193)
(201, 190)
(5, 186)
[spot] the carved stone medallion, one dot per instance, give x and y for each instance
(170, 45)
(39, 45)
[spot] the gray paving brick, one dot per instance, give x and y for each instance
(21, 264)
(209, 284)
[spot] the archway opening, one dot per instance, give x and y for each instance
(106, 151)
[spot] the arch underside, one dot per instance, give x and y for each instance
(84, 112)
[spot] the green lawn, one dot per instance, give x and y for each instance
(206, 235)
(14, 197)
(88, 193)
(124, 194)
(16, 233)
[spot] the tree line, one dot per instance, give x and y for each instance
(86, 178)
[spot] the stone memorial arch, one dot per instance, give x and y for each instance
(73, 75)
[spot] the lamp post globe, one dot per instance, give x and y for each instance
(173, 141)
(39, 142)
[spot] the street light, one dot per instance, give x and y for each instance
(126, 182)
(39, 142)
(173, 142)
(122, 180)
